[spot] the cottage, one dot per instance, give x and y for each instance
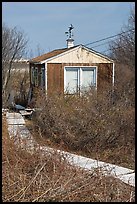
(71, 70)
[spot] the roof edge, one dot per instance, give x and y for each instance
(98, 53)
(69, 50)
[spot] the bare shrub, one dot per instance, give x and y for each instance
(19, 88)
(44, 177)
(90, 124)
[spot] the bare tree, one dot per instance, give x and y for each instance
(13, 48)
(39, 50)
(123, 48)
(123, 51)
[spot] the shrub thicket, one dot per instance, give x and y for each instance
(95, 124)
(44, 177)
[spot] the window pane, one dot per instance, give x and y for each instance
(42, 77)
(88, 78)
(71, 80)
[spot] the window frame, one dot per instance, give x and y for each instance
(94, 75)
(80, 70)
(34, 76)
(78, 73)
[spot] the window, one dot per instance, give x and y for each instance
(88, 78)
(72, 83)
(34, 76)
(79, 78)
(42, 77)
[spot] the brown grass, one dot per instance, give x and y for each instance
(44, 177)
(90, 126)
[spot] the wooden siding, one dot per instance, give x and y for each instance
(55, 75)
(55, 78)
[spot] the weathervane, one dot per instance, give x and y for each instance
(69, 33)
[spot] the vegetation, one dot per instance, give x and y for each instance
(100, 125)
(95, 126)
(14, 44)
(20, 86)
(123, 47)
(44, 177)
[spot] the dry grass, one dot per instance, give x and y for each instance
(119, 156)
(44, 177)
(90, 126)
(95, 128)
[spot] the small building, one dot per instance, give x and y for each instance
(71, 70)
(21, 65)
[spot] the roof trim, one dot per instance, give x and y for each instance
(70, 50)
(97, 53)
(65, 52)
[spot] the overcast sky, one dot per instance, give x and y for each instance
(45, 23)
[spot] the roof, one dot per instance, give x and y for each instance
(60, 51)
(49, 55)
